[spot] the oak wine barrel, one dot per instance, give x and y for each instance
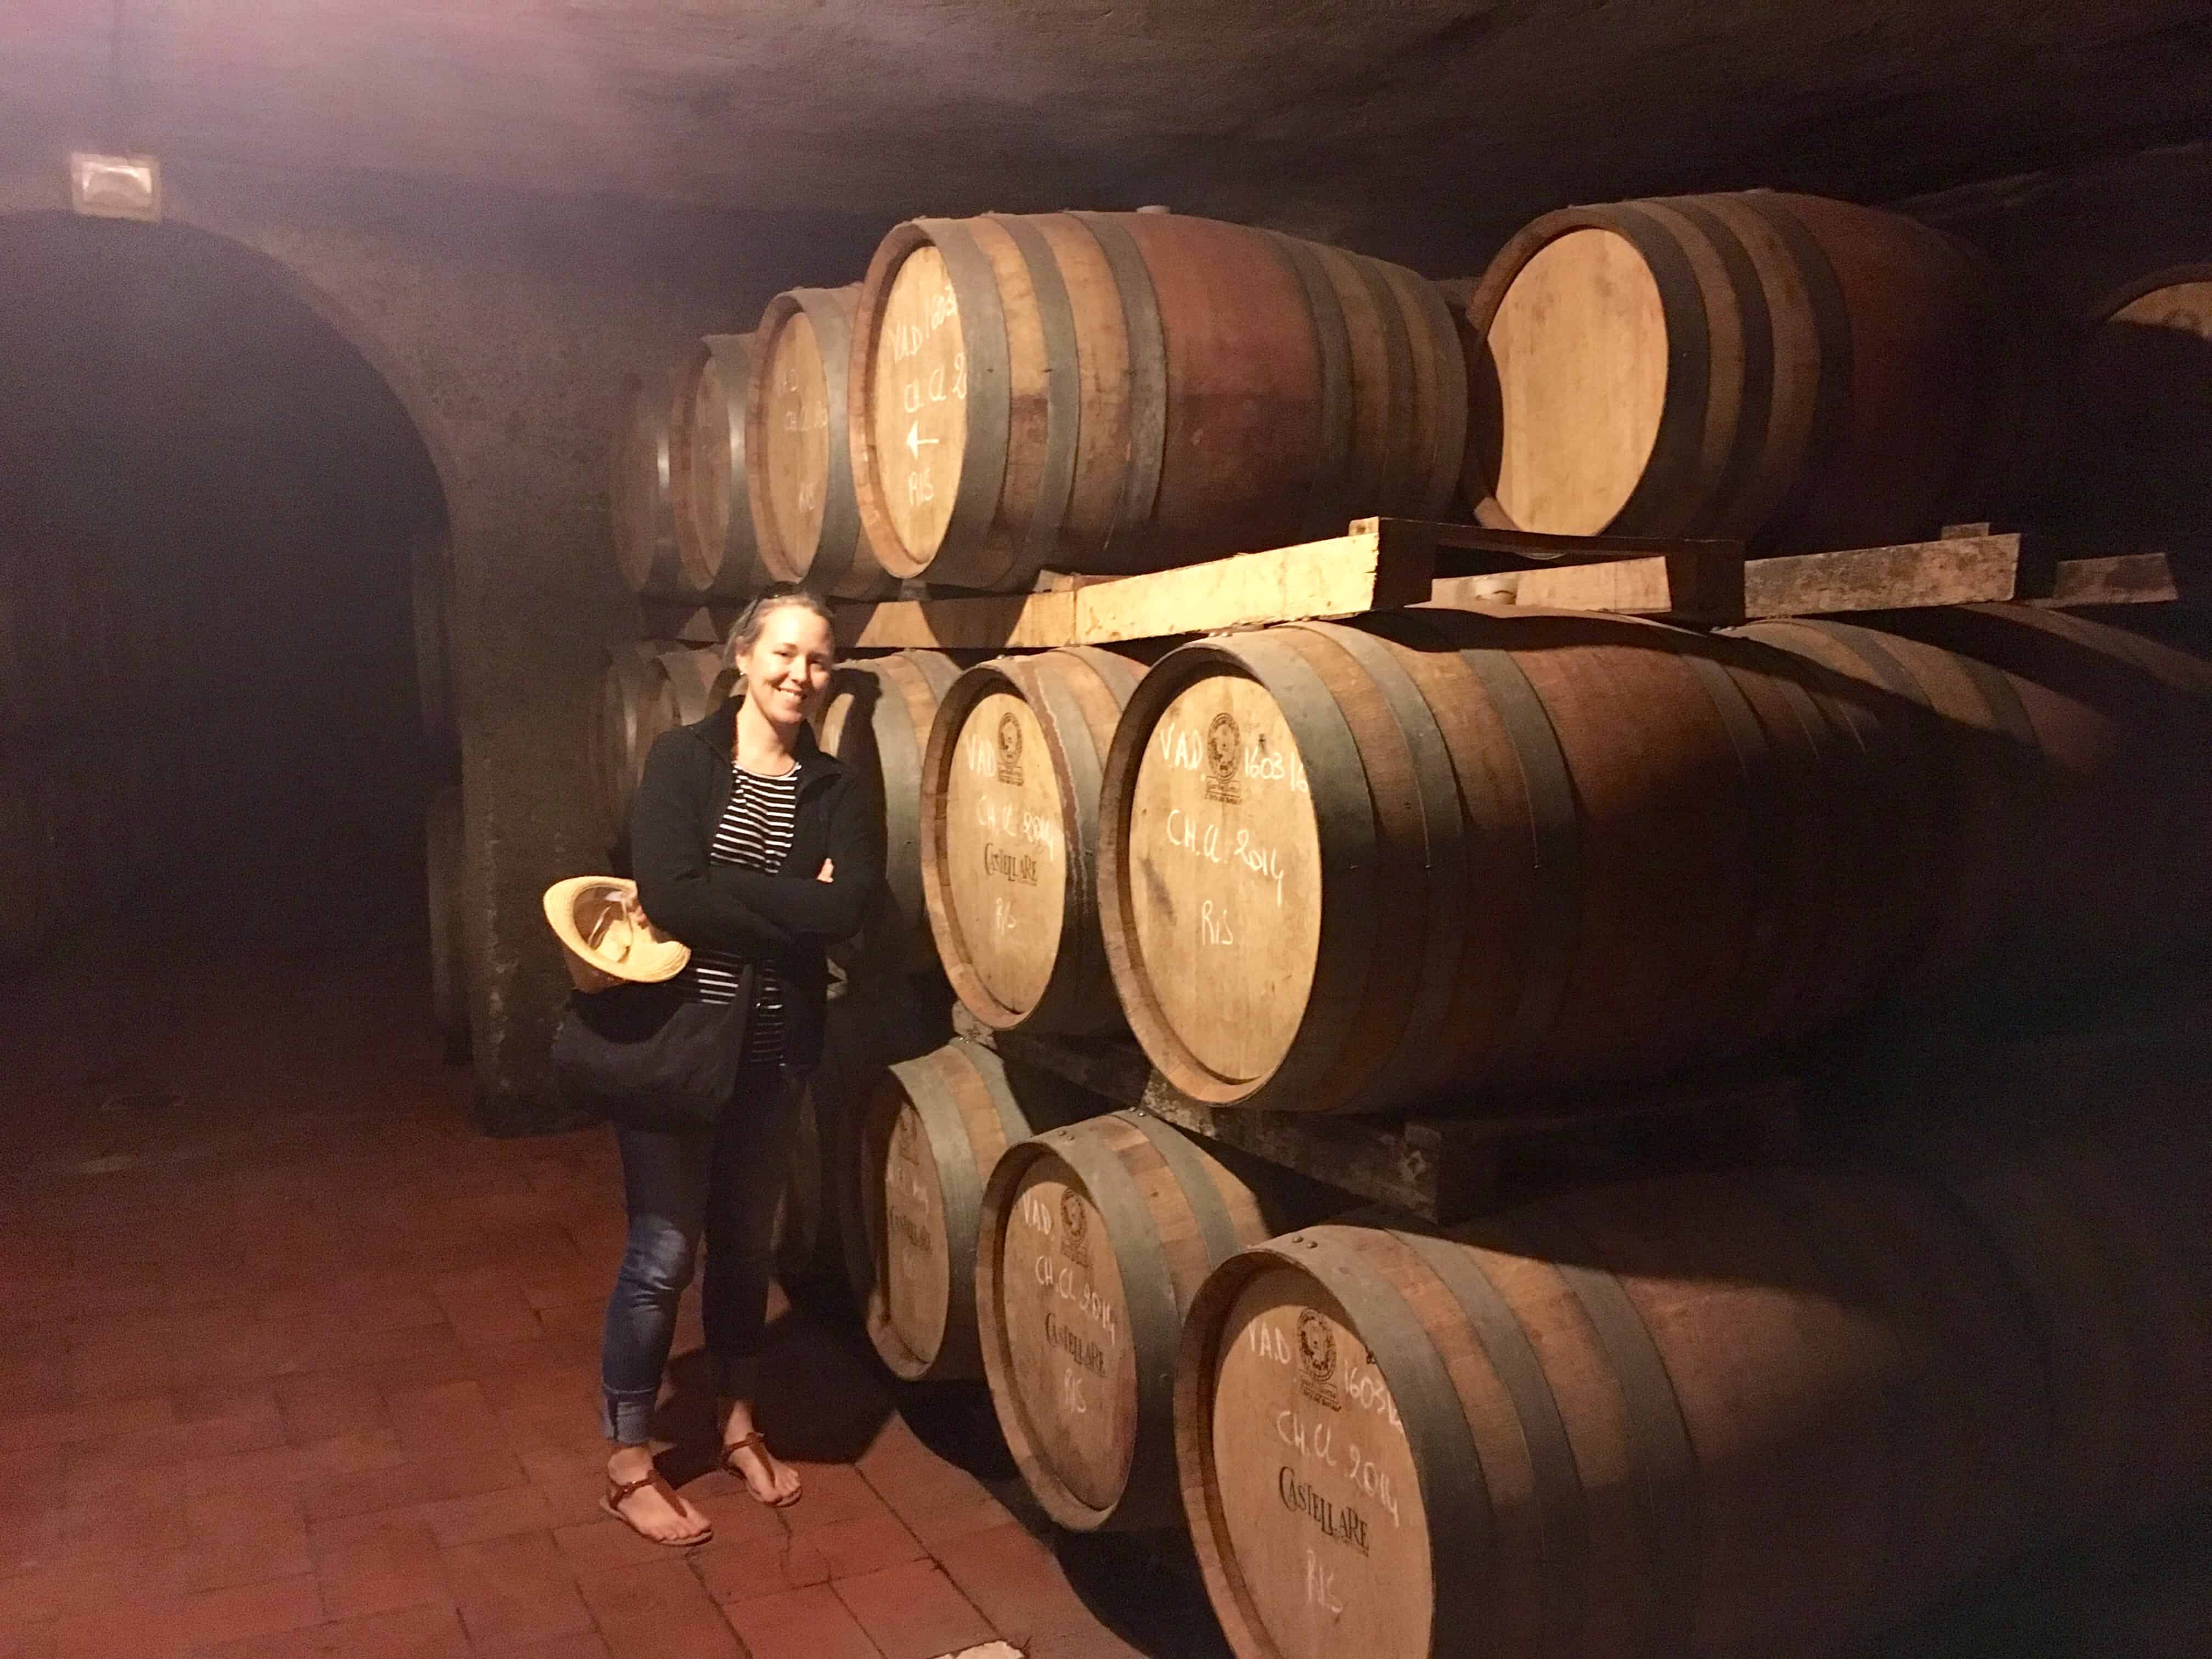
(707, 481)
(873, 1022)
(924, 1141)
(2118, 458)
(1123, 391)
(1784, 370)
(876, 719)
(700, 679)
(806, 523)
(2083, 1158)
(443, 833)
(1742, 1416)
(1010, 837)
(640, 506)
(637, 703)
(1346, 867)
(2085, 749)
(1095, 1238)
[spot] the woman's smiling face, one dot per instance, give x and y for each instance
(788, 667)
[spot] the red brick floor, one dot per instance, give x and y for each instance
(293, 1361)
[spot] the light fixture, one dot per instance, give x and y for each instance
(116, 186)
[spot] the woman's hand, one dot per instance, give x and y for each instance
(635, 912)
(828, 871)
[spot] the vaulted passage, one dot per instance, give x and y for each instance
(209, 503)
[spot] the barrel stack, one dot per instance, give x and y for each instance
(1353, 867)
(1778, 369)
(1444, 876)
(1010, 836)
(1112, 392)
(924, 1141)
(709, 496)
(805, 519)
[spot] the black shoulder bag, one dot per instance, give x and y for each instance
(650, 1057)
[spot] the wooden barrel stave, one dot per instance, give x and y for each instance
(876, 719)
(2114, 461)
(699, 680)
(2115, 730)
(707, 483)
(1020, 940)
(799, 476)
(1805, 373)
(640, 506)
(924, 1141)
(2082, 1157)
(637, 703)
(1484, 885)
(1588, 1428)
(1094, 1239)
(1123, 417)
(1462, 810)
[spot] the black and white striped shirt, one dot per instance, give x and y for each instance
(755, 834)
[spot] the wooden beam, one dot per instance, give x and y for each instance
(1441, 1169)
(2128, 578)
(1347, 575)
(1955, 570)
(1959, 571)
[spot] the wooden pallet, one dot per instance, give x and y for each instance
(1441, 1168)
(1384, 564)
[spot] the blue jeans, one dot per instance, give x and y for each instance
(679, 1188)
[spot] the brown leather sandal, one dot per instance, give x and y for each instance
(617, 1492)
(747, 1443)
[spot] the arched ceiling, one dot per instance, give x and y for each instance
(1309, 114)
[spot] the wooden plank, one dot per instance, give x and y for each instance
(1958, 570)
(1437, 1173)
(1687, 585)
(1962, 570)
(2128, 578)
(1441, 1169)
(1344, 576)
(1531, 545)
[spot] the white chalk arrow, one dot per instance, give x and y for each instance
(915, 440)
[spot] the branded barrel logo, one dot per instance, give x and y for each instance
(1009, 748)
(1225, 748)
(1074, 1218)
(1317, 1360)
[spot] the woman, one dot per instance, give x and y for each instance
(752, 846)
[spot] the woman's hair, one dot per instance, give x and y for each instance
(775, 596)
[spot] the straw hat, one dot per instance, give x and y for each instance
(602, 945)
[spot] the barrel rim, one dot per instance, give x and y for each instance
(1148, 1482)
(913, 1082)
(1313, 1043)
(642, 425)
(710, 565)
(844, 563)
(999, 674)
(1680, 432)
(1195, 1386)
(867, 329)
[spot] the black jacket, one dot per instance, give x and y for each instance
(783, 921)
